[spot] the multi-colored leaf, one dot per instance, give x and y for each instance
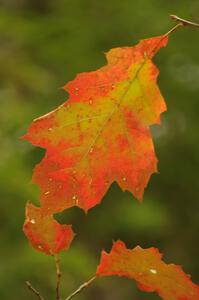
(45, 234)
(146, 267)
(101, 134)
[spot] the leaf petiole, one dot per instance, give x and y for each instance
(58, 273)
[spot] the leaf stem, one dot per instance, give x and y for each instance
(58, 273)
(83, 286)
(32, 289)
(174, 29)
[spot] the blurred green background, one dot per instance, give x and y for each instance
(43, 44)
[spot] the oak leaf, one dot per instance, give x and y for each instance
(101, 134)
(46, 234)
(146, 267)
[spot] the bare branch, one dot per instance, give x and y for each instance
(83, 286)
(32, 289)
(183, 21)
(58, 273)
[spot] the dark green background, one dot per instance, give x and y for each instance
(43, 44)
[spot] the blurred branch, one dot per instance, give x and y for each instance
(58, 273)
(32, 289)
(183, 21)
(83, 286)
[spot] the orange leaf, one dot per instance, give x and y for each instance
(44, 233)
(150, 272)
(101, 134)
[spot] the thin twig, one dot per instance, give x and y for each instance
(32, 289)
(183, 21)
(83, 286)
(58, 273)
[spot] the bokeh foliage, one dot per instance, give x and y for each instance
(43, 45)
